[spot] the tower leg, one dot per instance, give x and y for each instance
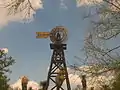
(58, 70)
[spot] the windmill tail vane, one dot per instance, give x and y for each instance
(42, 34)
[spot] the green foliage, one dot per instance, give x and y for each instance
(3, 82)
(5, 63)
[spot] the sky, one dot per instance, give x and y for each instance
(33, 55)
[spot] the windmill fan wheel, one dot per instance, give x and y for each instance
(58, 34)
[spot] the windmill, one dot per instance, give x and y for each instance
(57, 73)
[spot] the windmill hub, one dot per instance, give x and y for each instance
(58, 34)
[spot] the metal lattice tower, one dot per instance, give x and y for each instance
(57, 71)
(57, 63)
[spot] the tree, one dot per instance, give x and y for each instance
(5, 62)
(16, 6)
(25, 8)
(101, 56)
(43, 85)
(105, 30)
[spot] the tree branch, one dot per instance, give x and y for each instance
(112, 4)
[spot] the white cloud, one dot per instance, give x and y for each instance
(87, 2)
(33, 84)
(62, 5)
(75, 79)
(95, 82)
(5, 18)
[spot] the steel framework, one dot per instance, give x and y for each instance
(58, 64)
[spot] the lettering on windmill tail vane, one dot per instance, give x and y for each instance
(42, 34)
